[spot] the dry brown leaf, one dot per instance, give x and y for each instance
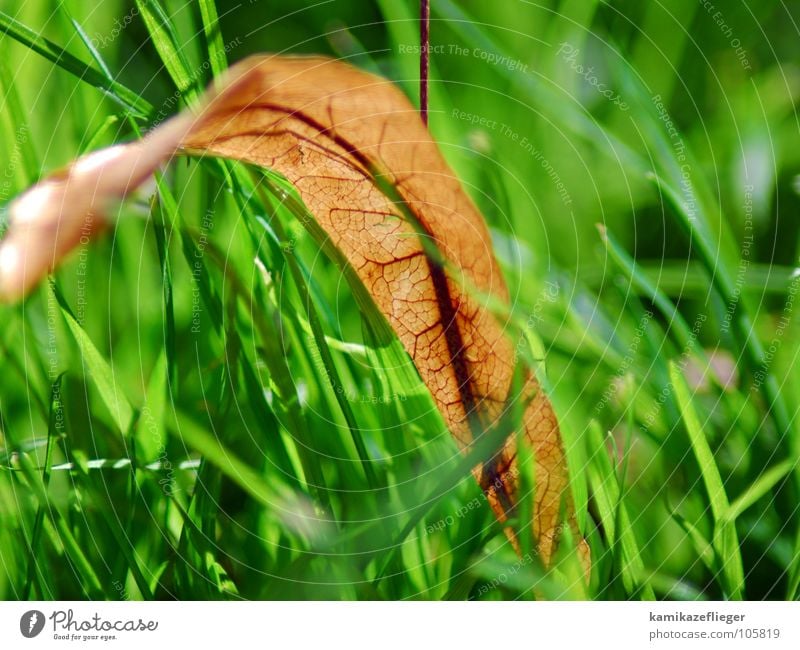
(332, 131)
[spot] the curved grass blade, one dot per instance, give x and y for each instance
(123, 96)
(725, 540)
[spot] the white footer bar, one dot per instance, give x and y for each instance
(401, 625)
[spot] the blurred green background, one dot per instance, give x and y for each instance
(169, 429)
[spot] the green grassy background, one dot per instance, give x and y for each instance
(196, 408)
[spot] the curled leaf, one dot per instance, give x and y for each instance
(60, 212)
(374, 179)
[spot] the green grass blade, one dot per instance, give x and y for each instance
(793, 589)
(164, 39)
(87, 42)
(150, 434)
(98, 369)
(84, 568)
(55, 431)
(63, 59)
(614, 515)
(325, 355)
(122, 538)
(211, 29)
(726, 541)
(704, 548)
(760, 488)
(657, 53)
(290, 506)
(714, 259)
(481, 449)
(631, 270)
(18, 131)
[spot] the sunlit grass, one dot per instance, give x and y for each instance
(201, 406)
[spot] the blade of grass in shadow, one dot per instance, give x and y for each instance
(97, 368)
(55, 430)
(526, 467)
(574, 450)
(614, 516)
(630, 269)
(149, 433)
(163, 231)
(793, 589)
(266, 417)
(482, 448)
(703, 548)
(279, 372)
(90, 582)
(122, 537)
(206, 498)
(214, 574)
(319, 338)
(291, 507)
